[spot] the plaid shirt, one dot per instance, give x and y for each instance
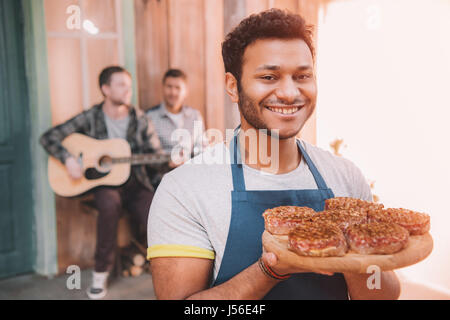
(165, 126)
(141, 136)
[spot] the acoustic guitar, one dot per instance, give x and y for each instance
(104, 163)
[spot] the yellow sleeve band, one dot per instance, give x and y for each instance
(178, 250)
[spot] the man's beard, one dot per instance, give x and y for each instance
(250, 111)
(118, 102)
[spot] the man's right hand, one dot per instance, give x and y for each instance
(271, 260)
(178, 159)
(173, 165)
(74, 168)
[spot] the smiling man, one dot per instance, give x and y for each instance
(172, 114)
(205, 223)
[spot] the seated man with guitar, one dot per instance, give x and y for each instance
(82, 165)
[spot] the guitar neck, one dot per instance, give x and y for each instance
(140, 159)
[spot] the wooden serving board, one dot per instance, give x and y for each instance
(418, 248)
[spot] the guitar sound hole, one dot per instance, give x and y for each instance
(105, 162)
(93, 174)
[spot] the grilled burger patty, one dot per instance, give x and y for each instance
(281, 220)
(377, 238)
(352, 203)
(342, 217)
(317, 239)
(415, 222)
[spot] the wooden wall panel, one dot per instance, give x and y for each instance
(255, 6)
(77, 231)
(187, 46)
(65, 78)
(56, 16)
(233, 12)
(102, 14)
(291, 5)
(152, 49)
(310, 11)
(214, 70)
(101, 53)
(184, 34)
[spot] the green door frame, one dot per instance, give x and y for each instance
(36, 60)
(129, 44)
(45, 245)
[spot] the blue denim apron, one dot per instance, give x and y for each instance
(244, 247)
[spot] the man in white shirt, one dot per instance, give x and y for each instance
(205, 221)
(172, 114)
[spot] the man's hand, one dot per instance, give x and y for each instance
(281, 268)
(173, 165)
(74, 168)
(178, 159)
(356, 283)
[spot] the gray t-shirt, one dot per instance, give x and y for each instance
(191, 209)
(177, 118)
(117, 128)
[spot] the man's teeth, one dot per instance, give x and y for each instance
(284, 110)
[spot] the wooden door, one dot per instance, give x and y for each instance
(183, 34)
(16, 234)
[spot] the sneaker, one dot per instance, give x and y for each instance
(98, 288)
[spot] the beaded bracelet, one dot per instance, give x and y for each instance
(270, 273)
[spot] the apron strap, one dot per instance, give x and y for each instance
(235, 153)
(236, 164)
(316, 174)
(238, 172)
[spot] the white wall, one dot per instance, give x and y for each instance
(384, 87)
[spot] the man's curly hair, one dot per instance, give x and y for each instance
(272, 23)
